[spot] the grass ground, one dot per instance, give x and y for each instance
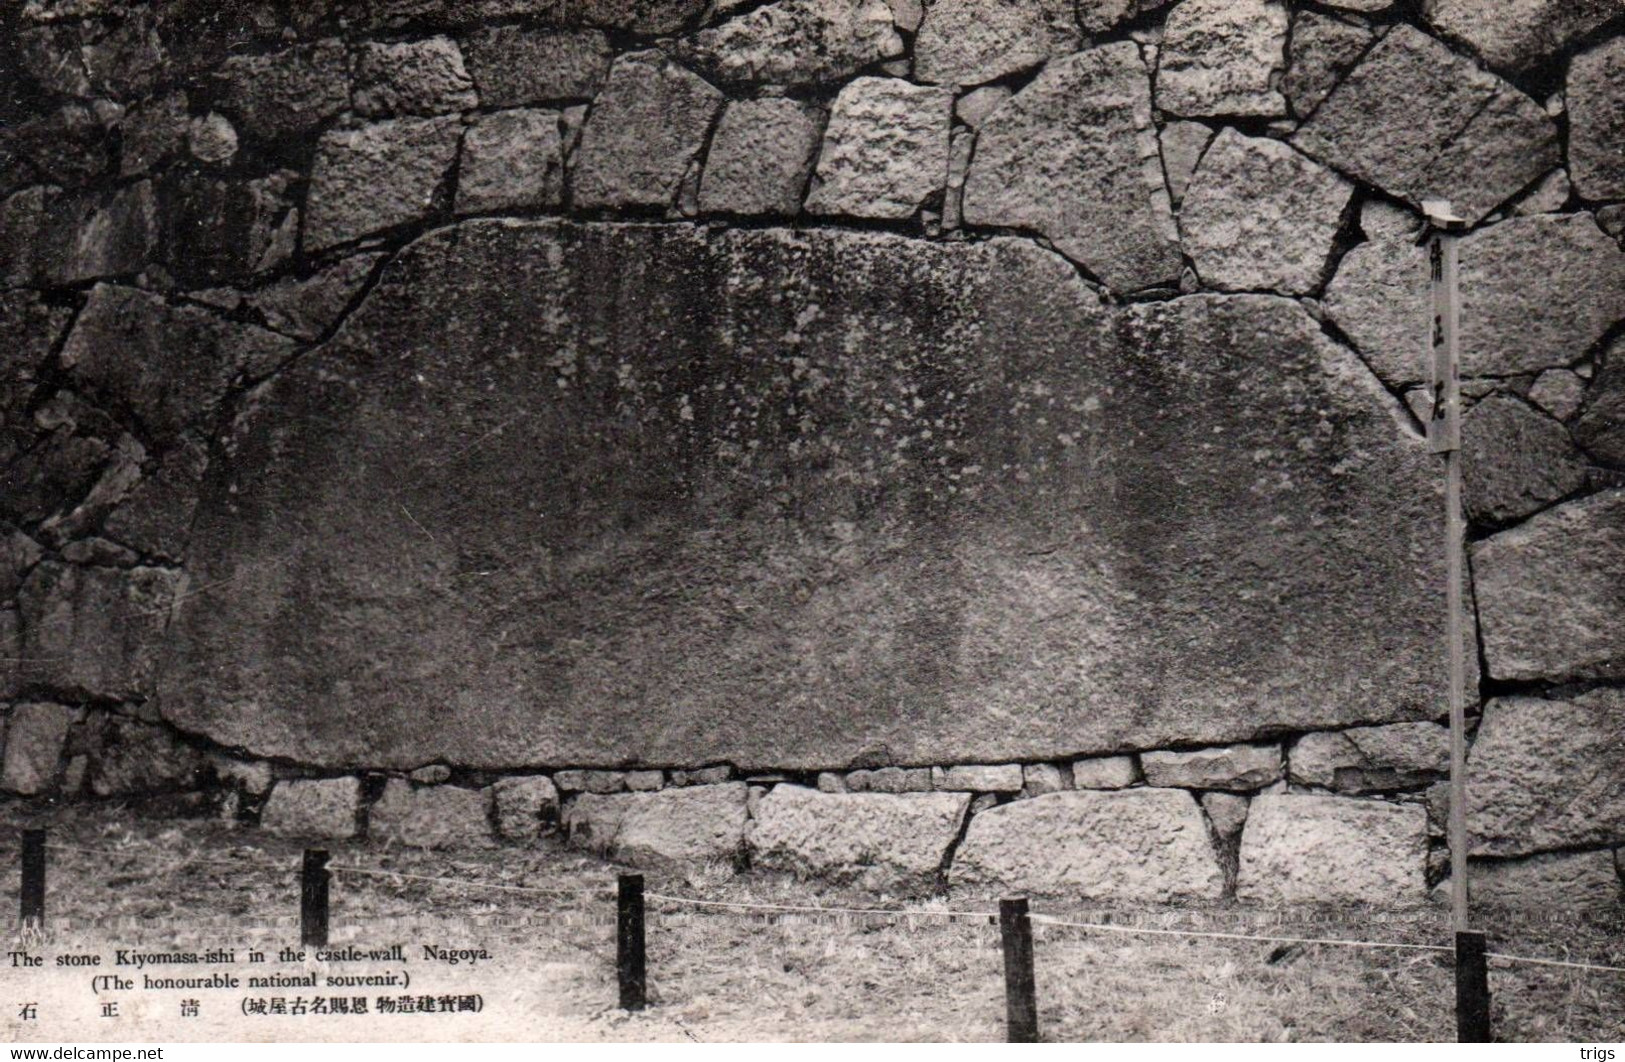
(188, 884)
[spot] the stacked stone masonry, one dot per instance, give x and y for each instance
(970, 444)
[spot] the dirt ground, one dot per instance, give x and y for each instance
(717, 974)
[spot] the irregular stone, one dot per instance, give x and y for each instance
(885, 151)
(152, 134)
(796, 42)
(35, 736)
(68, 145)
(1567, 881)
(858, 781)
(1101, 16)
(703, 775)
(1323, 49)
(1595, 94)
(1515, 461)
(1548, 593)
(761, 156)
(1237, 767)
(970, 778)
(156, 516)
(514, 66)
(1546, 774)
(376, 177)
(129, 757)
(1421, 122)
(968, 42)
(93, 234)
(1258, 214)
(30, 328)
(1601, 426)
(436, 816)
(121, 471)
(1182, 147)
(512, 160)
(422, 77)
(646, 128)
(286, 94)
(306, 307)
(94, 632)
(171, 364)
(1382, 220)
(916, 662)
(254, 777)
(1040, 778)
(880, 840)
(1223, 57)
(830, 782)
(431, 774)
(1327, 849)
(590, 781)
(1134, 845)
(324, 807)
(525, 807)
(11, 659)
(1371, 758)
(1105, 772)
(1073, 157)
(1611, 219)
(973, 107)
(691, 824)
(1226, 813)
(211, 139)
(1535, 293)
(1547, 197)
(1516, 37)
(1559, 392)
(645, 781)
(125, 58)
(222, 230)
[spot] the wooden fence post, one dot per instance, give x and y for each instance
(1472, 989)
(33, 885)
(1020, 994)
(313, 887)
(630, 956)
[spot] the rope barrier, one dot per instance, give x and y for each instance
(1554, 962)
(1046, 920)
(989, 916)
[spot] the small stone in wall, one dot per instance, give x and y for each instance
(436, 816)
(976, 105)
(325, 807)
(1259, 215)
(1548, 593)
(1223, 57)
(978, 778)
(35, 736)
(830, 782)
(211, 139)
(1226, 812)
(885, 151)
(251, 776)
(879, 840)
(376, 177)
(796, 42)
(703, 775)
(590, 781)
(514, 66)
(968, 42)
(648, 124)
(1370, 758)
(761, 156)
(1323, 49)
(430, 774)
(1232, 767)
(1558, 881)
(422, 77)
(691, 823)
(512, 160)
(286, 93)
(1547, 197)
(1040, 778)
(645, 781)
(525, 807)
(1559, 392)
(1515, 460)
(1104, 772)
(1182, 146)
(1327, 849)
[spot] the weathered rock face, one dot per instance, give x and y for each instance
(94, 632)
(761, 156)
(1547, 774)
(128, 757)
(1326, 849)
(433, 816)
(796, 42)
(422, 77)
(968, 42)
(1371, 758)
(1143, 845)
(422, 434)
(1223, 57)
(1515, 461)
(1536, 292)
(313, 807)
(693, 824)
(1569, 881)
(1476, 141)
(1242, 767)
(885, 151)
(1073, 156)
(1516, 36)
(35, 735)
(525, 808)
(1548, 593)
(1259, 215)
(286, 93)
(378, 176)
(648, 124)
(514, 66)
(512, 160)
(881, 840)
(1601, 425)
(1596, 101)
(1323, 50)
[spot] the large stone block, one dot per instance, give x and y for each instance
(376, 177)
(95, 632)
(514, 66)
(1595, 95)
(761, 156)
(1548, 593)
(1137, 845)
(1327, 849)
(432, 816)
(1369, 758)
(1323, 49)
(694, 823)
(1545, 774)
(1237, 767)
(1259, 215)
(1223, 57)
(1515, 460)
(35, 735)
(1561, 882)
(324, 807)
(512, 160)
(1536, 292)
(286, 93)
(411, 77)
(1517, 36)
(885, 150)
(796, 42)
(881, 840)
(1023, 526)
(1074, 157)
(1421, 122)
(968, 42)
(645, 130)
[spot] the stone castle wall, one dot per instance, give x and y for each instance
(970, 442)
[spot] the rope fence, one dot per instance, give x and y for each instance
(1014, 919)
